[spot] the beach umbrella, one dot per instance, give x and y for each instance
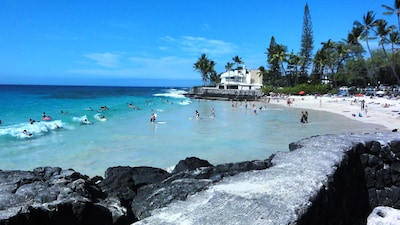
(359, 95)
(301, 93)
(380, 92)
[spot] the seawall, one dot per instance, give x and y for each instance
(329, 179)
(368, 176)
(223, 94)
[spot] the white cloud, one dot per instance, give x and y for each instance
(176, 61)
(104, 59)
(199, 45)
(146, 67)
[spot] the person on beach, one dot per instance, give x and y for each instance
(288, 102)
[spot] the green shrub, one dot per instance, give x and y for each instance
(308, 89)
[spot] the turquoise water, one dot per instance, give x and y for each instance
(127, 138)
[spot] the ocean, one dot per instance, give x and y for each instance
(91, 128)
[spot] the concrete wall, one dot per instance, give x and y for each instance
(224, 94)
(369, 176)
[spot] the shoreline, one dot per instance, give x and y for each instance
(381, 111)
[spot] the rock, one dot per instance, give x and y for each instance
(50, 195)
(190, 163)
(123, 181)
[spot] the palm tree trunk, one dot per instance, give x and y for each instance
(372, 63)
(391, 64)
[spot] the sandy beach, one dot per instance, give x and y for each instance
(377, 110)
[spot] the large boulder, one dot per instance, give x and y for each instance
(50, 195)
(190, 163)
(122, 182)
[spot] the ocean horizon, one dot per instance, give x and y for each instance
(91, 128)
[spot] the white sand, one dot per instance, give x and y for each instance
(376, 112)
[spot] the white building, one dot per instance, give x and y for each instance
(241, 79)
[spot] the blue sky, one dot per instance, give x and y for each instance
(153, 42)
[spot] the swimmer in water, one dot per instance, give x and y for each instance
(26, 133)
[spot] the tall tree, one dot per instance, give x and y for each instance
(394, 39)
(395, 10)
(357, 63)
(212, 74)
(228, 66)
(205, 67)
(318, 67)
(383, 31)
(273, 75)
(281, 55)
(237, 60)
(367, 25)
(307, 43)
(293, 63)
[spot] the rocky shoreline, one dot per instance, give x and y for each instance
(51, 195)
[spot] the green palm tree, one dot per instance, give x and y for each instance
(294, 62)
(228, 66)
(202, 66)
(212, 74)
(383, 31)
(237, 60)
(355, 48)
(394, 39)
(261, 71)
(281, 56)
(367, 25)
(343, 52)
(395, 10)
(319, 66)
(330, 58)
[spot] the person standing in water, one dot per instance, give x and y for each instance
(197, 114)
(153, 118)
(304, 117)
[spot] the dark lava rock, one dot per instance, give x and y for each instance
(123, 181)
(50, 195)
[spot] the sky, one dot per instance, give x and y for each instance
(156, 43)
